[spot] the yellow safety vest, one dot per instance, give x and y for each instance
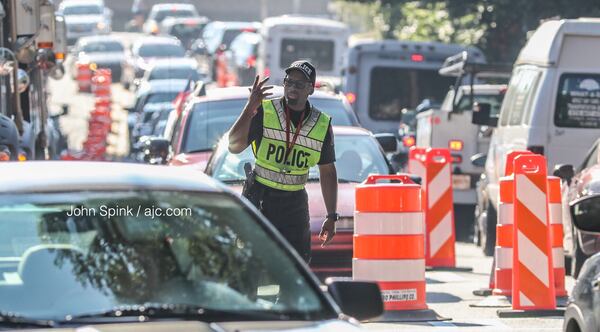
(271, 169)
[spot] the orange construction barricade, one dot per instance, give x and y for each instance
(555, 213)
(389, 245)
(101, 82)
(439, 213)
(83, 77)
(416, 161)
(533, 276)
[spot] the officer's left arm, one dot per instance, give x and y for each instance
(329, 189)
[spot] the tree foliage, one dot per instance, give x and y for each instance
(499, 27)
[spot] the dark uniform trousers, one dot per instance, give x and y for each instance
(288, 212)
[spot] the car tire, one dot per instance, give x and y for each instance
(578, 258)
(488, 234)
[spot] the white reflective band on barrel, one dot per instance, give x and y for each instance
(555, 213)
(280, 177)
(505, 214)
(504, 258)
(388, 223)
(558, 258)
(279, 135)
(389, 270)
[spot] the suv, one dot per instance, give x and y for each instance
(163, 10)
(85, 18)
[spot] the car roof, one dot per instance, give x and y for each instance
(100, 38)
(156, 40)
(241, 92)
(170, 6)
(350, 131)
(157, 86)
(235, 24)
(302, 20)
(170, 63)
(56, 176)
(69, 3)
(178, 20)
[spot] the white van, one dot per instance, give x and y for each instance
(381, 78)
(286, 39)
(552, 105)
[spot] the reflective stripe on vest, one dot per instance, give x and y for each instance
(271, 168)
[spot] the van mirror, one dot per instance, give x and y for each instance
(585, 214)
(479, 159)
(388, 142)
(481, 115)
(565, 172)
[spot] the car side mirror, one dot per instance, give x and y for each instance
(565, 172)
(585, 213)
(359, 299)
(388, 142)
(156, 150)
(482, 115)
(479, 159)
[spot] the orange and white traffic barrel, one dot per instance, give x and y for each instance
(439, 210)
(389, 240)
(416, 161)
(533, 276)
(556, 229)
(504, 244)
(83, 77)
(101, 82)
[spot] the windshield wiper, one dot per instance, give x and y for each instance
(7, 318)
(182, 311)
(200, 150)
(233, 181)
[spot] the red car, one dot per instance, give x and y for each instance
(194, 133)
(358, 154)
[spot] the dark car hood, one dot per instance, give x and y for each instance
(192, 326)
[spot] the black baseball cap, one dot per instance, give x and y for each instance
(305, 68)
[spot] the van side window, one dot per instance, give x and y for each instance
(518, 98)
(578, 101)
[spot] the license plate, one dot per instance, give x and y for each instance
(461, 181)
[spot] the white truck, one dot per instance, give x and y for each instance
(450, 127)
(289, 38)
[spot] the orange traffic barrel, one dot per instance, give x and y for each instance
(101, 82)
(389, 244)
(504, 244)
(83, 77)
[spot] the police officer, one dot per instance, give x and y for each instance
(288, 136)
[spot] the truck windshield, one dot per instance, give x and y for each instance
(393, 89)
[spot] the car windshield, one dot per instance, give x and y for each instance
(79, 253)
(161, 50)
(103, 47)
(210, 120)
(165, 73)
(356, 157)
(161, 15)
(83, 10)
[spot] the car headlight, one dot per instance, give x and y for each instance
(101, 25)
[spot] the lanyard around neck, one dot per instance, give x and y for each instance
(291, 144)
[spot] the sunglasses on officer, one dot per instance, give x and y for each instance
(288, 82)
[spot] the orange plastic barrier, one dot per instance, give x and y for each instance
(416, 161)
(389, 240)
(101, 82)
(556, 226)
(439, 210)
(533, 276)
(83, 77)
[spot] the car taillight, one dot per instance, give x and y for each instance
(416, 57)
(408, 141)
(351, 97)
(537, 149)
(456, 159)
(251, 61)
(4, 154)
(455, 145)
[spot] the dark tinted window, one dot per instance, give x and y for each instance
(160, 16)
(393, 89)
(161, 50)
(319, 52)
(174, 73)
(578, 101)
(495, 102)
(103, 47)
